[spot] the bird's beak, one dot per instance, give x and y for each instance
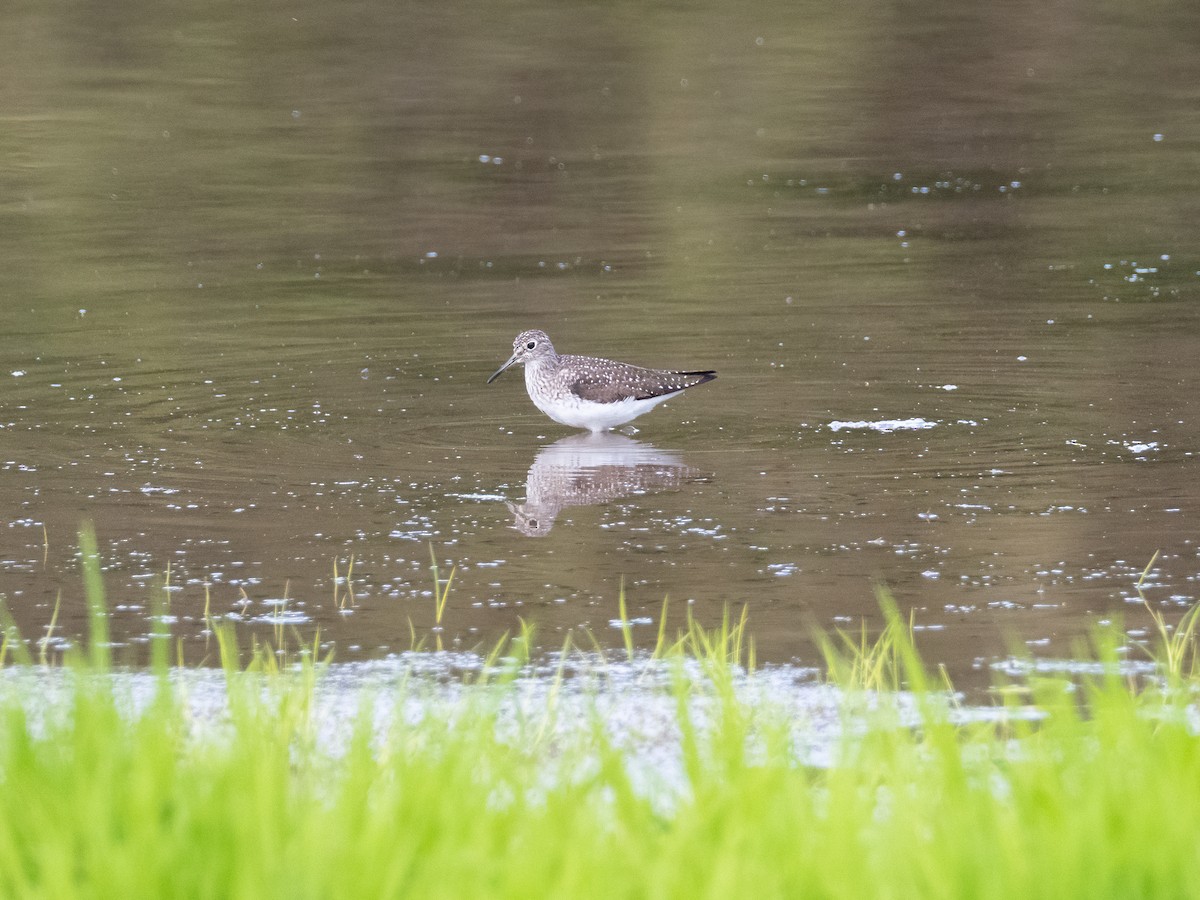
(512, 359)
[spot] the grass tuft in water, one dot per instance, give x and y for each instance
(441, 596)
(1177, 649)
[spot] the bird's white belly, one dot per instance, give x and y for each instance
(572, 410)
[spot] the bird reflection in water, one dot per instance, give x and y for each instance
(591, 469)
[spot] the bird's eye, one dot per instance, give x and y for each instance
(531, 345)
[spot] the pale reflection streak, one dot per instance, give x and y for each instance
(591, 469)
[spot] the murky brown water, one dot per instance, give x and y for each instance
(257, 264)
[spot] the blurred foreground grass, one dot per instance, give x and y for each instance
(1086, 786)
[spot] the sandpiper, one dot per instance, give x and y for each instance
(591, 393)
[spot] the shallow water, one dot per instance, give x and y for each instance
(258, 264)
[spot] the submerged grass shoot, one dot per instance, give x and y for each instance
(93, 588)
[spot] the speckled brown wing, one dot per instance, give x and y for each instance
(605, 381)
